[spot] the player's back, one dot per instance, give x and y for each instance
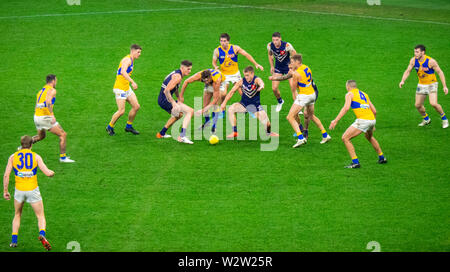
(25, 170)
(41, 104)
(361, 105)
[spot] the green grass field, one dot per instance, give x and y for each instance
(139, 193)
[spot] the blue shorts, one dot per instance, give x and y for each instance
(165, 105)
(282, 71)
(316, 91)
(252, 107)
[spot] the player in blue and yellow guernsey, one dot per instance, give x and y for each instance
(25, 163)
(426, 68)
(176, 108)
(213, 80)
(365, 122)
(44, 117)
(124, 93)
(225, 59)
(304, 93)
(250, 89)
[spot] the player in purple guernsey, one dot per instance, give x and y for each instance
(250, 88)
(279, 53)
(175, 108)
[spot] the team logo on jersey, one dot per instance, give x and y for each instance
(231, 56)
(282, 52)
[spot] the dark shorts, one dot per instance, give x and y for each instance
(252, 107)
(282, 71)
(316, 91)
(165, 105)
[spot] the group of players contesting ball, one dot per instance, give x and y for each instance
(285, 63)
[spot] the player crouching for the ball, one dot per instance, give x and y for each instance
(365, 113)
(249, 88)
(175, 108)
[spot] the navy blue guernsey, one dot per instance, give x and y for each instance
(282, 57)
(250, 93)
(162, 97)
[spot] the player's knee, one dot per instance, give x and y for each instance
(434, 105)
(137, 107)
(63, 135)
(344, 138)
(121, 112)
(418, 105)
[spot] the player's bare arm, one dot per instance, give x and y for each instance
(214, 100)
(344, 110)
(241, 51)
(43, 167)
(293, 83)
(434, 65)
(289, 75)
(372, 108)
(236, 86)
(270, 56)
(125, 63)
(407, 72)
(8, 169)
(48, 100)
(291, 49)
(260, 84)
(176, 78)
(214, 58)
(196, 77)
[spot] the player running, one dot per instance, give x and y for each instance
(249, 88)
(279, 52)
(44, 117)
(25, 163)
(175, 108)
(304, 93)
(426, 68)
(365, 122)
(214, 85)
(227, 56)
(124, 93)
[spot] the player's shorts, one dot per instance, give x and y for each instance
(44, 122)
(305, 99)
(28, 196)
(427, 88)
(210, 89)
(281, 70)
(232, 78)
(252, 107)
(167, 106)
(364, 125)
(121, 94)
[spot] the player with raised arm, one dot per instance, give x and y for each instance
(279, 54)
(176, 108)
(225, 59)
(214, 84)
(25, 162)
(426, 68)
(365, 122)
(304, 95)
(249, 88)
(124, 93)
(44, 117)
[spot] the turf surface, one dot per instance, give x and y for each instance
(138, 193)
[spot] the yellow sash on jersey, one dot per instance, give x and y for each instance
(25, 170)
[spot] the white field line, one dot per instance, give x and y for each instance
(316, 12)
(107, 12)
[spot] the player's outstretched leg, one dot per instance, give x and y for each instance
(292, 118)
(58, 131)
